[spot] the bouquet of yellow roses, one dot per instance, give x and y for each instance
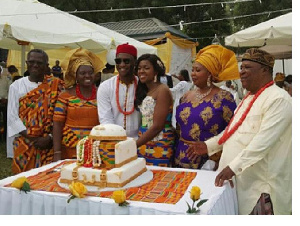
(195, 196)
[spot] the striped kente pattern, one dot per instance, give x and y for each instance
(165, 187)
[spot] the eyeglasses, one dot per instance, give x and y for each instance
(125, 60)
(32, 62)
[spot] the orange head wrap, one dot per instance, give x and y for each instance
(220, 62)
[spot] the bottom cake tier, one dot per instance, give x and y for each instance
(102, 178)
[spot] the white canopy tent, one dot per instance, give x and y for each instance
(273, 36)
(26, 24)
(277, 31)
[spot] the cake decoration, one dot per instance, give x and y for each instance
(106, 158)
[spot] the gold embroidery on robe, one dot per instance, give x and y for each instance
(185, 114)
(206, 114)
(195, 132)
(214, 129)
(227, 113)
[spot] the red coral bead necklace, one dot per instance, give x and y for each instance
(117, 97)
(79, 94)
(228, 133)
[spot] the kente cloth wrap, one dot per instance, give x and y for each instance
(259, 56)
(199, 121)
(79, 117)
(165, 187)
(36, 111)
(159, 150)
(220, 62)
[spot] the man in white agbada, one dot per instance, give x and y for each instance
(257, 144)
(115, 96)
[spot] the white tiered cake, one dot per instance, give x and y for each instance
(107, 158)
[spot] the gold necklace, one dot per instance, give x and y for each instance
(200, 96)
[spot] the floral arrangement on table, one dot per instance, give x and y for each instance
(21, 183)
(77, 190)
(120, 198)
(195, 196)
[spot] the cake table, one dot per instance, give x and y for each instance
(52, 201)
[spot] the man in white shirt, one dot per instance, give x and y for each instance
(257, 144)
(115, 96)
(30, 108)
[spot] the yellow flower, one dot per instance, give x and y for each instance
(18, 183)
(195, 193)
(119, 196)
(78, 189)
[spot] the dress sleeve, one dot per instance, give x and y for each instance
(60, 110)
(105, 112)
(14, 123)
(228, 107)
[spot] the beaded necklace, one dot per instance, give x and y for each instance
(200, 96)
(228, 133)
(79, 94)
(118, 101)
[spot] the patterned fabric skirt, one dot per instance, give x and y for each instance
(264, 206)
(27, 157)
(158, 153)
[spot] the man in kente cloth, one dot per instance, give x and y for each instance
(31, 103)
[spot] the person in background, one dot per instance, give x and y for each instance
(75, 112)
(115, 96)
(154, 101)
(4, 86)
(31, 102)
(279, 79)
(205, 111)
(230, 87)
(108, 72)
(167, 80)
(56, 70)
(13, 72)
(177, 91)
(257, 144)
(288, 84)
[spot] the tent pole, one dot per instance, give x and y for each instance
(22, 60)
(283, 66)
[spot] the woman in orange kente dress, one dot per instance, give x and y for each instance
(75, 112)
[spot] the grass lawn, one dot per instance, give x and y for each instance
(5, 163)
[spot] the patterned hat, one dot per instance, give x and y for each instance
(126, 48)
(259, 56)
(220, 62)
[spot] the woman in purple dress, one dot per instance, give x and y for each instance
(205, 111)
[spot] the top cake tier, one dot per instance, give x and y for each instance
(108, 132)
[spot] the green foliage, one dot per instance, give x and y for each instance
(5, 163)
(203, 30)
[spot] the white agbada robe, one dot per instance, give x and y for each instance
(17, 89)
(108, 111)
(260, 151)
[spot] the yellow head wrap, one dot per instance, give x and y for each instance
(220, 62)
(76, 58)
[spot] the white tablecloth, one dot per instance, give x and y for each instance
(221, 200)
